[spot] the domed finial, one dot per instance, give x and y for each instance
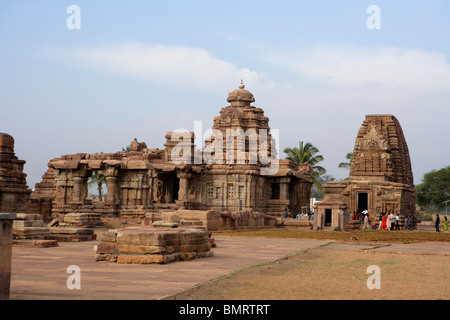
(241, 85)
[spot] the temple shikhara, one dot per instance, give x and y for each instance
(14, 191)
(380, 181)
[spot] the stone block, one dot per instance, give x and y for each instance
(30, 243)
(161, 224)
(140, 249)
(28, 216)
(28, 223)
(31, 233)
(109, 236)
(144, 259)
(154, 245)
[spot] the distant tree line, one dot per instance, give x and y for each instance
(433, 194)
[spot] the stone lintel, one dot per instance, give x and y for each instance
(8, 216)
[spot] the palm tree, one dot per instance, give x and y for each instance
(98, 179)
(126, 149)
(307, 153)
(322, 179)
(347, 165)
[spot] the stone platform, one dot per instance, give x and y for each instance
(85, 220)
(29, 226)
(66, 234)
(290, 223)
(35, 243)
(354, 224)
(147, 245)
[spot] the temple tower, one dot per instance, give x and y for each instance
(14, 192)
(381, 179)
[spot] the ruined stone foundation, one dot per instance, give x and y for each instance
(147, 245)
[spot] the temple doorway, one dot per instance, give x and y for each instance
(175, 189)
(362, 200)
(328, 217)
(168, 188)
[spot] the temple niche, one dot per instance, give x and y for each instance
(233, 179)
(380, 179)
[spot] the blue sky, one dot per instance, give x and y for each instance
(143, 68)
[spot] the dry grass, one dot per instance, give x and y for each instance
(330, 273)
(335, 271)
(361, 235)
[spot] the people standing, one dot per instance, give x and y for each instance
(392, 220)
(397, 221)
(445, 224)
(381, 218)
(366, 221)
(383, 222)
(388, 221)
(410, 223)
(438, 222)
(285, 213)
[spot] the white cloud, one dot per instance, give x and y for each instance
(356, 67)
(178, 66)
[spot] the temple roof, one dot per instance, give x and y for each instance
(241, 94)
(381, 150)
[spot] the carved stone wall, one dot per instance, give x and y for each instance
(14, 192)
(381, 151)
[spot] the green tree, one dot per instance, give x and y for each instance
(97, 179)
(434, 189)
(307, 153)
(322, 179)
(347, 165)
(126, 149)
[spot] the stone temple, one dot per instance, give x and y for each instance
(380, 180)
(232, 179)
(14, 191)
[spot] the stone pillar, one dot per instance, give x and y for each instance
(111, 183)
(6, 236)
(78, 196)
(183, 189)
(319, 218)
(111, 175)
(284, 188)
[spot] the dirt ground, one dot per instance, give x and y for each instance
(335, 271)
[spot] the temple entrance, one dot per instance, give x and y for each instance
(362, 201)
(328, 217)
(275, 191)
(175, 189)
(167, 188)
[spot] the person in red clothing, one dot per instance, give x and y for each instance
(383, 222)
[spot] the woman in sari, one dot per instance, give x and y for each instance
(383, 222)
(388, 222)
(445, 224)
